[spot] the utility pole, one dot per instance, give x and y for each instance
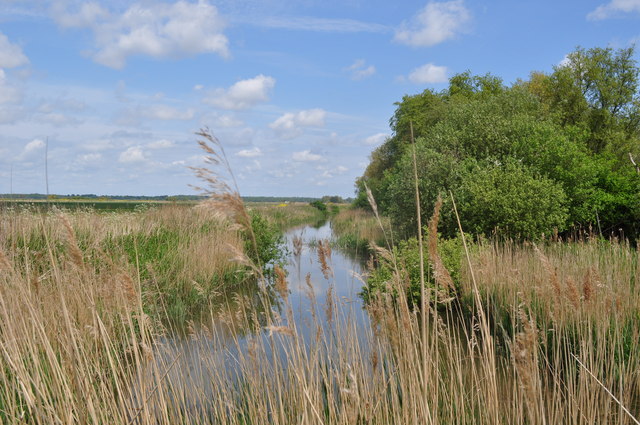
(46, 167)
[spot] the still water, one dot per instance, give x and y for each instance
(215, 346)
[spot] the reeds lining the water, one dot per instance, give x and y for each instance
(78, 347)
(541, 335)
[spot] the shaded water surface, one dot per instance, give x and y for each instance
(214, 347)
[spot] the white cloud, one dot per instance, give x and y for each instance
(376, 139)
(167, 113)
(564, 62)
(161, 144)
(57, 119)
(429, 74)
(359, 70)
(242, 95)
(31, 149)
(215, 120)
(331, 173)
(62, 104)
(86, 15)
(254, 166)
(155, 29)
(306, 156)
(11, 55)
(437, 22)
(250, 153)
(89, 158)
(290, 124)
(614, 8)
(307, 23)
(132, 155)
(8, 93)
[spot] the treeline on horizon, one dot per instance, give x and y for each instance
(552, 154)
(168, 198)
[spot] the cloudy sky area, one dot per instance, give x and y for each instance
(298, 91)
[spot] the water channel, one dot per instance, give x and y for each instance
(194, 361)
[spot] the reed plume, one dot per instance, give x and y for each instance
(72, 242)
(440, 272)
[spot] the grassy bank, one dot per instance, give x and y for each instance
(359, 230)
(549, 334)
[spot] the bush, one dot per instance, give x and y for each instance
(512, 200)
(319, 205)
(407, 257)
(269, 241)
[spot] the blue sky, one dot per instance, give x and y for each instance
(299, 92)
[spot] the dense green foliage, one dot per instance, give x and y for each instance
(407, 256)
(321, 206)
(269, 242)
(544, 155)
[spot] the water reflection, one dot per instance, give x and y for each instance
(314, 305)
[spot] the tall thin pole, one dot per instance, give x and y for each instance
(11, 182)
(46, 167)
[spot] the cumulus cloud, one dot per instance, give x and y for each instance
(435, 23)
(132, 155)
(159, 30)
(242, 95)
(307, 23)
(359, 70)
(8, 92)
(250, 153)
(429, 74)
(88, 158)
(62, 104)
(329, 173)
(215, 120)
(167, 113)
(613, 8)
(57, 119)
(376, 139)
(31, 148)
(306, 156)
(161, 144)
(291, 125)
(11, 55)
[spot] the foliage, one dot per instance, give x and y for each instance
(321, 206)
(269, 240)
(405, 259)
(548, 153)
(511, 199)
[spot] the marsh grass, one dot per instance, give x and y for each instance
(358, 230)
(550, 334)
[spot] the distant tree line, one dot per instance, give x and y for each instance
(554, 153)
(91, 196)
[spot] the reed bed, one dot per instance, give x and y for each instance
(359, 229)
(536, 335)
(560, 344)
(287, 215)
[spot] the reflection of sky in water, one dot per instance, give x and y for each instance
(216, 352)
(345, 285)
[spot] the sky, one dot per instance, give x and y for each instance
(299, 92)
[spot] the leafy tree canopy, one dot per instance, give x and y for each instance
(548, 154)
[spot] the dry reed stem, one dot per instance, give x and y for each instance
(282, 286)
(5, 264)
(223, 197)
(525, 357)
(440, 272)
(551, 271)
(72, 243)
(324, 257)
